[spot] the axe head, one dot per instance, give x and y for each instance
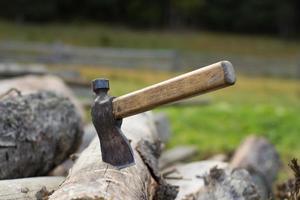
(115, 148)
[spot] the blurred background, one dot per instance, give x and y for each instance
(136, 43)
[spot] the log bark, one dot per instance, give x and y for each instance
(211, 180)
(63, 168)
(228, 184)
(28, 188)
(249, 175)
(260, 158)
(90, 178)
(37, 132)
(31, 84)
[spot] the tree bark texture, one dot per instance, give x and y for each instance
(37, 132)
(31, 84)
(63, 168)
(260, 158)
(211, 180)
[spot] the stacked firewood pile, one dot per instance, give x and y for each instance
(46, 152)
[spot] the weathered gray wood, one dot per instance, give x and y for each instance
(163, 126)
(11, 51)
(260, 158)
(28, 188)
(202, 181)
(188, 176)
(8, 70)
(175, 155)
(90, 178)
(211, 180)
(227, 184)
(61, 53)
(163, 129)
(37, 132)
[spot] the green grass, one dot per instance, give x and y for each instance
(222, 125)
(87, 34)
(261, 106)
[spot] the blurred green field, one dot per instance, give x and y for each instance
(89, 34)
(263, 106)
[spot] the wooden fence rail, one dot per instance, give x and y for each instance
(161, 59)
(67, 54)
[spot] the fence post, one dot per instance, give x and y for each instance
(176, 58)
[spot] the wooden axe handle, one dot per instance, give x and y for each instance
(199, 81)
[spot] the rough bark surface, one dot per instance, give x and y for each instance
(211, 180)
(37, 132)
(31, 84)
(90, 178)
(260, 158)
(28, 188)
(63, 168)
(227, 184)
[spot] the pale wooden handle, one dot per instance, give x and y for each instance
(202, 80)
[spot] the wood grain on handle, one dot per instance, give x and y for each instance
(199, 81)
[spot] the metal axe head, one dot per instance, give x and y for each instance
(115, 148)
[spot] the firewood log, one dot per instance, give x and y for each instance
(249, 175)
(211, 180)
(31, 84)
(37, 132)
(260, 158)
(63, 168)
(90, 178)
(28, 188)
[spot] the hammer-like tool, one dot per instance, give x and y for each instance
(107, 111)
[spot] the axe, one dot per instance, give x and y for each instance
(107, 112)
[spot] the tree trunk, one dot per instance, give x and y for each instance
(90, 178)
(28, 188)
(37, 132)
